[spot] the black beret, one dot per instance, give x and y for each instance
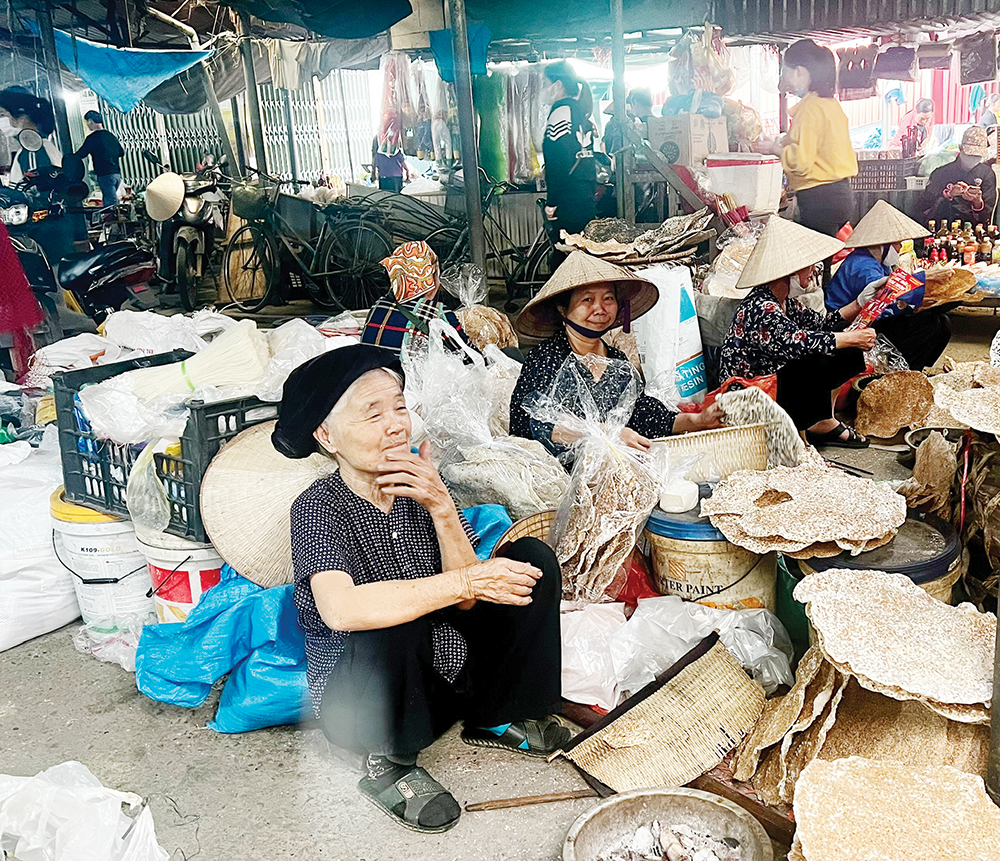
(314, 388)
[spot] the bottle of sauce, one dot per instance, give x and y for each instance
(985, 248)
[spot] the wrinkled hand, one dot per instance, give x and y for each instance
(635, 440)
(499, 581)
(414, 476)
(868, 293)
(562, 435)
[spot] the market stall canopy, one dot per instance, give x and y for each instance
(341, 19)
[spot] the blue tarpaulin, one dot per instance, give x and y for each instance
(253, 634)
(122, 76)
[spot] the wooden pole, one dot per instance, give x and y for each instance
(618, 94)
(253, 97)
(54, 74)
(467, 127)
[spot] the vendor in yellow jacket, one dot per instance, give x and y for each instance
(816, 154)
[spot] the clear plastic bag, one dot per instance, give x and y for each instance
(114, 647)
(612, 490)
(147, 498)
(504, 371)
(483, 326)
(884, 357)
(65, 814)
(663, 629)
(467, 283)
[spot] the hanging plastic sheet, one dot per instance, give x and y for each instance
(441, 46)
(122, 76)
(341, 19)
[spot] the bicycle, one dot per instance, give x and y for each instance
(524, 270)
(340, 269)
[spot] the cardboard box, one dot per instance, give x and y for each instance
(687, 139)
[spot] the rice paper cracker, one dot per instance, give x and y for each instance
(893, 402)
(881, 811)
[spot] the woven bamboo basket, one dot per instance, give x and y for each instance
(533, 526)
(724, 450)
(675, 728)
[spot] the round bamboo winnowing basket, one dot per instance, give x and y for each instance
(724, 450)
(533, 526)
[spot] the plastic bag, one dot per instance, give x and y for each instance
(663, 629)
(669, 337)
(884, 357)
(588, 672)
(65, 814)
(152, 333)
(482, 325)
(114, 647)
(611, 491)
(504, 372)
(146, 496)
(292, 344)
(37, 594)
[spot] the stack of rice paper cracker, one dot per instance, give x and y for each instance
(899, 400)
(860, 808)
(807, 511)
(953, 385)
(895, 676)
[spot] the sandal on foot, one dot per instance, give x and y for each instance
(834, 438)
(415, 800)
(530, 737)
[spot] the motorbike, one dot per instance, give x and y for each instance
(189, 210)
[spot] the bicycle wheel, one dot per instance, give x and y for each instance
(530, 276)
(248, 268)
(350, 260)
(451, 245)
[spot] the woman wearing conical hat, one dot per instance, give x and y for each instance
(773, 333)
(584, 300)
(876, 241)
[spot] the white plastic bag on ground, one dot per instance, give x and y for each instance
(668, 335)
(662, 630)
(65, 814)
(152, 333)
(118, 646)
(292, 344)
(588, 672)
(36, 592)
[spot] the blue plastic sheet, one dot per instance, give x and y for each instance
(253, 634)
(122, 76)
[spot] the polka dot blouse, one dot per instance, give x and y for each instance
(334, 529)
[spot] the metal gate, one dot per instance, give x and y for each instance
(180, 140)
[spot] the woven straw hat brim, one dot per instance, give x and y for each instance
(246, 502)
(164, 196)
(540, 319)
(784, 248)
(883, 225)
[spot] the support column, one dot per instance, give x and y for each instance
(467, 127)
(286, 98)
(241, 153)
(618, 94)
(347, 124)
(44, 13)
(253, 97)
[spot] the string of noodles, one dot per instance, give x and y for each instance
(237, 357)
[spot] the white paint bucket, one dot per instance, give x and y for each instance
(101, 551)
(181, 572)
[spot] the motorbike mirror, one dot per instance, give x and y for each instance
(30, 140)
(150, 157)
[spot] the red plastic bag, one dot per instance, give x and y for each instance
(633, 581)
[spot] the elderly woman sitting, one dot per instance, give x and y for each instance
(405, 630)
(774, 333)
(584, 300)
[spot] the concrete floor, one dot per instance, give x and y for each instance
(277, 793)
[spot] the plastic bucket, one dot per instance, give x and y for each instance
(180, 571)
(102, 552)
(694, 561)
(926, 549)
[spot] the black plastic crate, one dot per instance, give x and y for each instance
(95, 471)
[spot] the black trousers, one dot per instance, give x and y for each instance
(391, 183)
(920, 337)
(826, 208)
(804, 386)
(384, 696)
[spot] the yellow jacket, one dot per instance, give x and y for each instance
(818, 149)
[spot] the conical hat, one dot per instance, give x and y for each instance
(784, 248)
(883, 225)
(164, 196)
(246, 502)
(540, 319)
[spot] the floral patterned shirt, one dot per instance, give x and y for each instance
(764, 338)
